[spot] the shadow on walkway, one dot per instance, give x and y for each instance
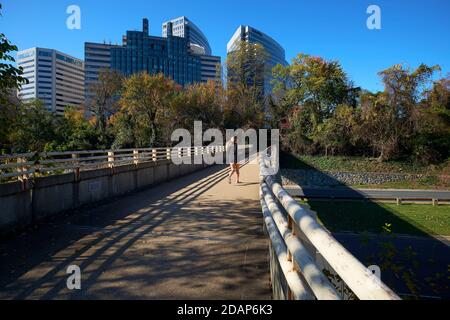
(186, 239)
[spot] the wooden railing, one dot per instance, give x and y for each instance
(27, 165)
(307, 262)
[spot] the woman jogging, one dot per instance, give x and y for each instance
(232, 147)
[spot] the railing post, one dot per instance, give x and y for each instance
(76, 170)
(154, 155)
(168, 155)
(136, 157)
(111, 159)
(24, 177)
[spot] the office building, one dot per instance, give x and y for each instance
(211, 68)
(275, 53)
(169, 55)
(198, 43)
(183, 53)
(140, 52)
(54, 77)
(184, 28)
(97, 57)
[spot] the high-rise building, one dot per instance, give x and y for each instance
(169, 55)
(211, 68)
(54, 77)
(198, 44)
(183, 53)
(97, 58)
(275, 53)
(184, 28)
(140, 52)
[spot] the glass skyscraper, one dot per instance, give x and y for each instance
(199, 45)
(183, 27)
(168, 55)
(275, 53)
(183, 54)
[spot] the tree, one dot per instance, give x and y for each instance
(247, 67)
(198, 102)
(73, 132)
(245, 97)
(396, 116)
(33, 129)
(316, 82)
(279, 103)
(105, 102)
(243, 108)
(376, 125)
(10, 76)
(431, 142)
(144, 99)
(10, 80)
(307, 92)
(337, 133)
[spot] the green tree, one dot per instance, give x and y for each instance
(33, 128)
(316, 82)
(337, 133)
(145, 98)
(74, 132)
(10, 76)
(198, 102)
(279, 102)
(308, 91)
(11, 79)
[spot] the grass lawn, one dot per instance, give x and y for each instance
(356, 216)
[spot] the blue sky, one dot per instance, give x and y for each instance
(413, 31)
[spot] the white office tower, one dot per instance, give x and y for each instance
(54, 77)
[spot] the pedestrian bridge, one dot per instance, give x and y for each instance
(150, 230)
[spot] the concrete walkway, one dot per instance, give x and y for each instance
(193, 238)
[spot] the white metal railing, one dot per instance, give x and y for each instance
(28, 165)
(305, 249)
